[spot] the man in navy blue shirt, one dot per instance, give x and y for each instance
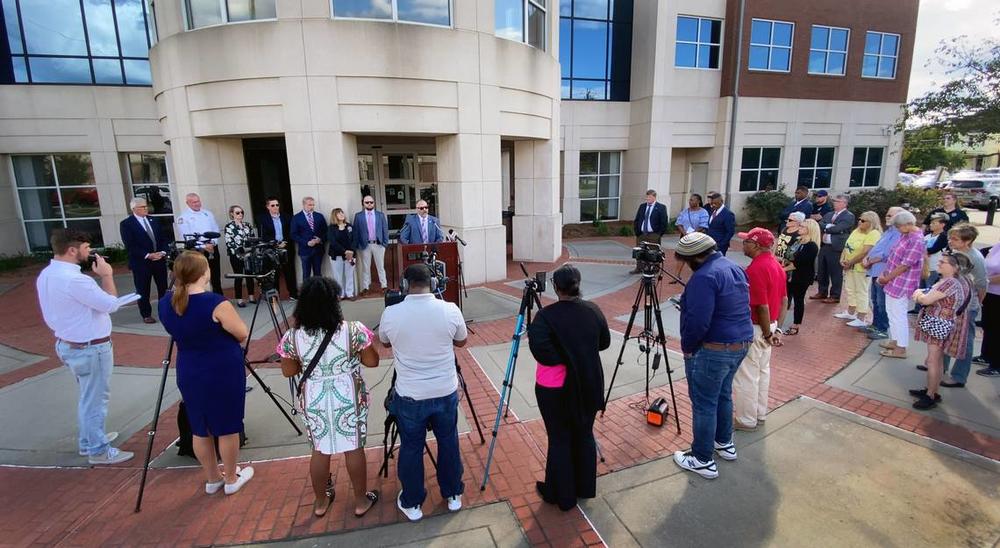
(716, 332)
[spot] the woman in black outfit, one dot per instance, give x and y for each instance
(341, 252)
(566, 338)
(236, 232)
(802, 269)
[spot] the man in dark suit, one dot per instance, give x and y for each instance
(721, 223)
(836, 226)
(650, 222)
(147, 248)
(276, 226)
(309, 234)
(371, 236)
(799, 203)
(421, 228)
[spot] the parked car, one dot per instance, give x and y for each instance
(977, 192)
(930, 178)
(905, 179)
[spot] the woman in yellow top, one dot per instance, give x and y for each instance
(856, 281)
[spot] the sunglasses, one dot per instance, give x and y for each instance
(237, 213)
(425, 207)
(369, 203)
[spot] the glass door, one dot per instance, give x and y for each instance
(398, 180)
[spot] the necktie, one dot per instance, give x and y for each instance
(309, 219)
(649, 212)
(714, 213)
(423, 230)
(149, 231)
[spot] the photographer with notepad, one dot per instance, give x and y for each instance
(78, 310)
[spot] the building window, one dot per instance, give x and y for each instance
(828, 50)
(866, 166)
(771, 45)
(759, 169)
(816, 167)
(600, 178)
(104, 42)
(699, 42)
(595, 49)
(205, 13)
(521, 20)
(881, 50)
(426, 12)
(56, 191)
(146, 177)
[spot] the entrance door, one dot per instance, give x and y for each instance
(698, 179)
(398, 177)
(267, 175)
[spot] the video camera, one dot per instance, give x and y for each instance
(649, 257)
(190, 241)
(439, 277)
(261, 257)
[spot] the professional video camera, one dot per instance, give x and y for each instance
(261, 257)
(190, 241)
(649, 256)
(439, 277)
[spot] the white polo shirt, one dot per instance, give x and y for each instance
(422, 330)
(197, 222)
(74, 307)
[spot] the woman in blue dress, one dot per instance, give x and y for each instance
(210, 376)
(694, 218)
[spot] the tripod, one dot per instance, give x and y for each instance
(268, 293)
(151, 435)
(649, 341)
(529, 299)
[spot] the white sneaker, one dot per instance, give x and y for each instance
(845, 316)
(455, 503)
(726, 450)
(242, 477)
(412, 514)
(111, 456)
(212, 487)
(857, 323)
(109, 437)
(687, 461)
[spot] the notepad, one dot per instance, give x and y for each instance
(128, 299)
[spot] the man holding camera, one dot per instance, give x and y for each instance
(275, 226)
(422, 332)
(197, 220)
(77, 310)
(309, 233)
(650, 223)
(146, 246)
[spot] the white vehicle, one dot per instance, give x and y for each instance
(905, 179)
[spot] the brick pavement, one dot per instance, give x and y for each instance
(94, 505)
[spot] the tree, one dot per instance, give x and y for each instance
(924, 148)
(968, 106)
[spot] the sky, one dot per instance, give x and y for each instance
(943, 20)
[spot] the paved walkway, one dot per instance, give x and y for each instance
(91, 506)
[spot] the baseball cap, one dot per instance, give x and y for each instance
(760, 236)
(821, 193)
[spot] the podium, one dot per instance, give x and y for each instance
(404, 255)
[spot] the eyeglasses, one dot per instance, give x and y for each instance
(424, 207)
(273, 205)
(237, 213)
(791, 220)
(369, 203)
(863, 221)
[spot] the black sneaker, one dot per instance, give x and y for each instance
(922, 367)
(925, 402)
(980, 360)
(923, 393)
(989, 372)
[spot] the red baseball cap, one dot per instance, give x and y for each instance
(760, 236)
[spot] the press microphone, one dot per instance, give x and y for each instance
(210, 235)
(456, 237)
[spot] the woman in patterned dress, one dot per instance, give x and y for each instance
(945, 300)
(236, 232)
(334, 400)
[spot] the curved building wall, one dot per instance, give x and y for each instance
(321, 82)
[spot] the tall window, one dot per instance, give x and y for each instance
(828, 50)
(57, 190)
(521, 20)
(72, 42)
(147, 178)
(881, 50)
(699, 42)
(595, 49)
(600, 183)
(205, 13)
(866, 166)
(759, 169)
(427, 12)
(816, 167)
(771, 45)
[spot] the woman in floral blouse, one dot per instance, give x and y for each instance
(334, 400)
(236, 232)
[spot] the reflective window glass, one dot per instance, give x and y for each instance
(770, 45)
(137, 72)
(881, 50)
(56, 191)
(108, 71)
(698, 43)
(54, 27)
(595, 52)
(10, 22)
(536, 26)
(509, 19)
(589, 48)
(599, 185)
(366, 9)
(101, 28)
(50, 70)
(866, 167)
(20, 70)
(147, 179)
(565, 48)
(828, 50)
(759, 168)
(431, 12)
(250, 10)
(815, 167)
(593, 9)
(132, 28)
(202, 13)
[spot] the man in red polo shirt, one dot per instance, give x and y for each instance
(768, 302)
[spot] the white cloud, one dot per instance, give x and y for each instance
(944, 20)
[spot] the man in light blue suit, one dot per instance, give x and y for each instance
(371, 236)
(421, 228)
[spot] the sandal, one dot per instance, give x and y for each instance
(372, 496)
(891, 354)
(792, 331)
(330, 495)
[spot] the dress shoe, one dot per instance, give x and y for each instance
(817, 297)
(149, 320)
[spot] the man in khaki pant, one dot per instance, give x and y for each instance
(768, 303)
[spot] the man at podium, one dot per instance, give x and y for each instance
(421, 228)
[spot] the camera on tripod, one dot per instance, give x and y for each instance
(190, 242)
(261, 257)
(649, 257)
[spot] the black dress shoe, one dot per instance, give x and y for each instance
(947, 384)
(148, 320)
(922, 367)
(925, 402)
(922, 393)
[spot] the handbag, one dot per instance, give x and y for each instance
(939, 328)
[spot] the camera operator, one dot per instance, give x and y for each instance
(716, 333)
(422, 331)
(197, 220)
(276, 226)
(77, 310)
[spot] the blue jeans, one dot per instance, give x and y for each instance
(710, 386)
(880, 318)
(962, 367)
(92, 368)
(412, 418)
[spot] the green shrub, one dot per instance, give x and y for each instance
(626, 231)
(602, 228)
(14, 262)
(114, 254)
(879, 200)
(765, 207)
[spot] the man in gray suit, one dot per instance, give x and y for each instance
(836, 226)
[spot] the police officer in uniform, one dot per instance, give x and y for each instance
(196, 220)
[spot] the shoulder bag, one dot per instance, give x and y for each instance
(315, 360)
(939, 328)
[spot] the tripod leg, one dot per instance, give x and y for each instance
(388, 447)
(621, 352)
(465, 389)
(253, 321)
(267, 390)
(504, 390)
(151, 435)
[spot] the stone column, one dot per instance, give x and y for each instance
(537, 220)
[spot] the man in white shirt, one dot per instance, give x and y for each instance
(197, 220)
(422, 331)
(78, 313)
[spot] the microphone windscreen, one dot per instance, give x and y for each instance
(211, 234)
